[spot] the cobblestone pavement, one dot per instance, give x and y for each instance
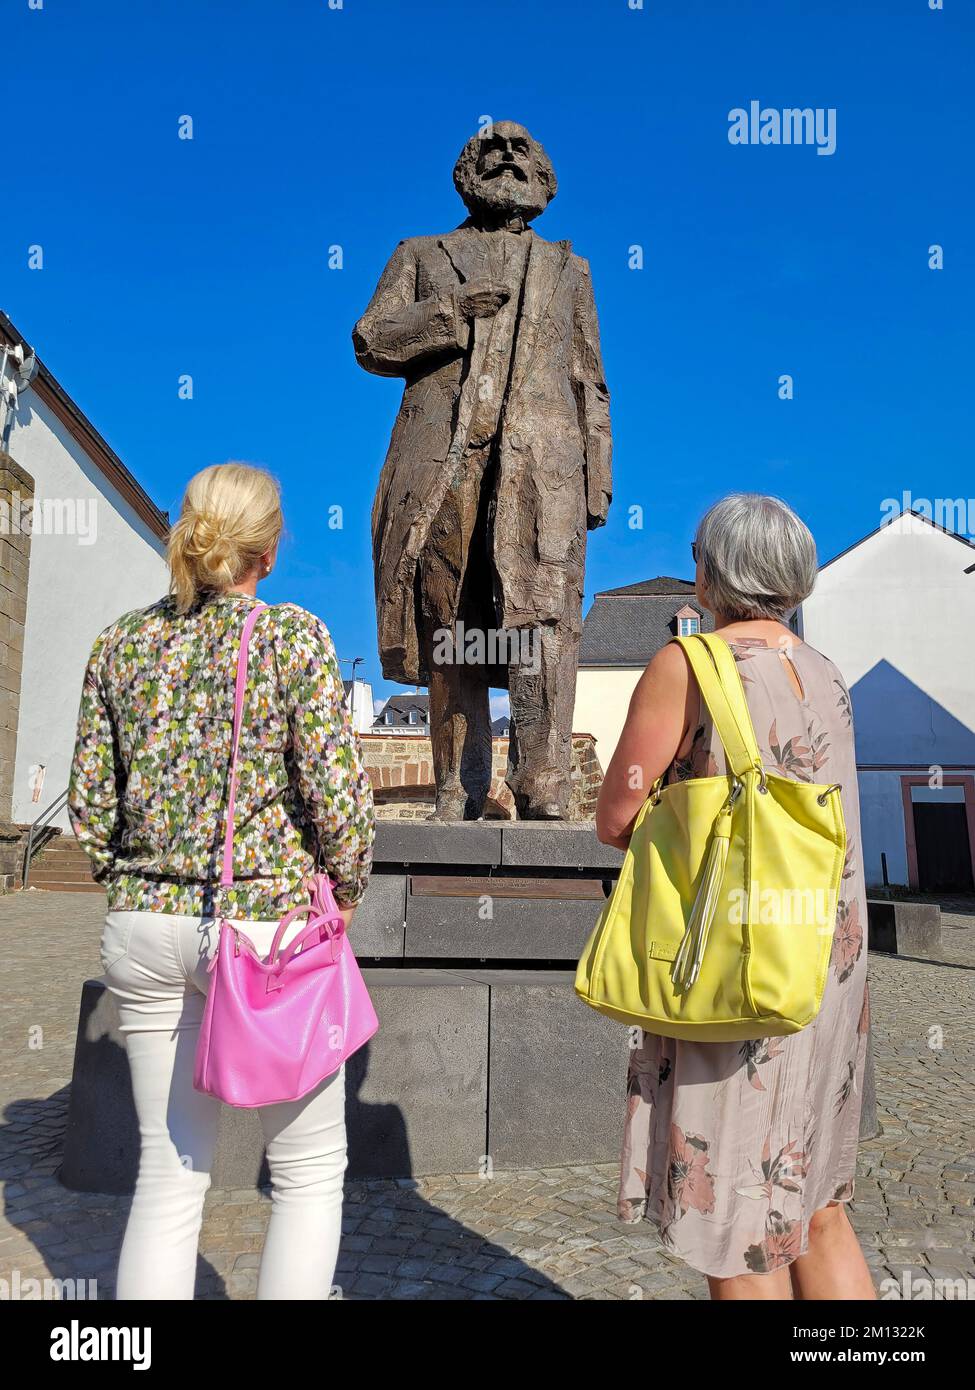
(522, 1235)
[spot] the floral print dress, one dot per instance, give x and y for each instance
(731, 1147)
(148, 790)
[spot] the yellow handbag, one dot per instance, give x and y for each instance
(721, 922)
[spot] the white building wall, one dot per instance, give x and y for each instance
(602, 700)
(882, 827)
(75, 590)
(360, 703)
(896, 615)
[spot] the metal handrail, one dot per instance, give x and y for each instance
(39, 824)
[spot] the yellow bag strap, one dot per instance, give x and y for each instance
(723, 693)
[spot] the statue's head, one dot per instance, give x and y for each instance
(503, 172)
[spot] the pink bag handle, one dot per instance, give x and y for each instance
(227, 876)
(324, 922)
(323, 917)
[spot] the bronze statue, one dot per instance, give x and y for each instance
(498, 464)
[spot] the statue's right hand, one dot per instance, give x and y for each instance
(479, 299)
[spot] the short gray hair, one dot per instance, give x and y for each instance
(758, 557)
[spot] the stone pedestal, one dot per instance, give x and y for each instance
(101, 1140)
(904, 928)
(468, 937)
(418, 1099)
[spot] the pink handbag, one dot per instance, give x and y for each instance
(274, 1029)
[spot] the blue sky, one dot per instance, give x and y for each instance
(315, 127)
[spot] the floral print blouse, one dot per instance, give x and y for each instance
(148, 789)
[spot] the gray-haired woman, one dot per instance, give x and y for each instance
(744, 1153)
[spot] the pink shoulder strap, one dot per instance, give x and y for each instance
(227, 876)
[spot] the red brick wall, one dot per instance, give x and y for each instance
(400, 767)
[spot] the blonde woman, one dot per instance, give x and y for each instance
(744, 1154)
(147, 799)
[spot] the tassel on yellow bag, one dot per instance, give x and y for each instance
(690, 956)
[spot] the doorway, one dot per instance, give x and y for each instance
(944, 857)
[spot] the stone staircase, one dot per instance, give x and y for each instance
(62, 866)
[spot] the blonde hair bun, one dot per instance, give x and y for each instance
(230, 517)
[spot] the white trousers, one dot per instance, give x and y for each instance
(155, 965)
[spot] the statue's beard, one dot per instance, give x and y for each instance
(505, 196)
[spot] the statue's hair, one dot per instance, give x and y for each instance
(465, 170)
(230, 517)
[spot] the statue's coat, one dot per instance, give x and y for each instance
(553, 476)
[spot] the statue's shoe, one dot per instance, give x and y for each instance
(453, 810)
(542, 810)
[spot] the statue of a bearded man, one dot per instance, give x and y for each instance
(498, 465)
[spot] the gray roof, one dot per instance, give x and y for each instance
(399, 707)
(626, 627)
(663, 584)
